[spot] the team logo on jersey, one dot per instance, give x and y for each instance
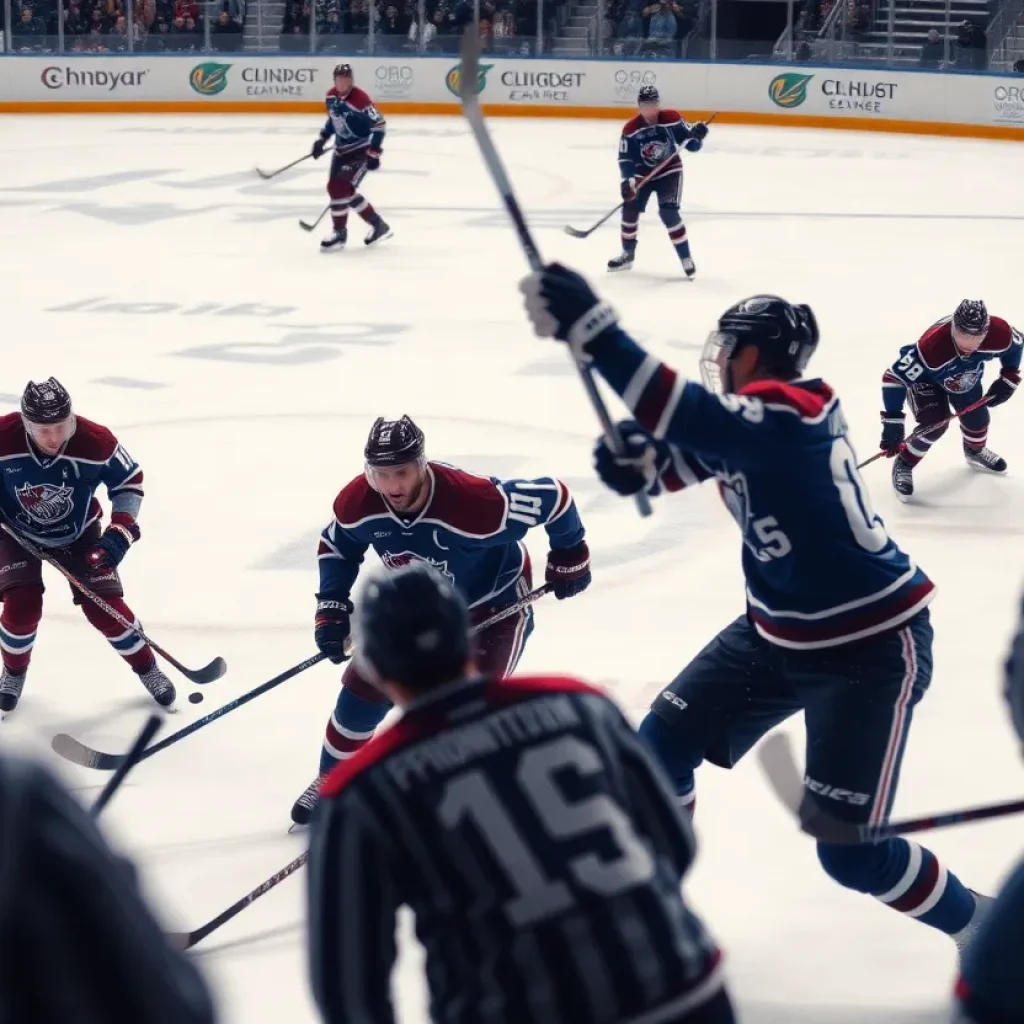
(209, 79)
(46, 503)
(961, 383)
(789, 90)
(653, 152)
(454, 79)
(396, 559)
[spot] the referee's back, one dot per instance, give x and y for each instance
(526, 826)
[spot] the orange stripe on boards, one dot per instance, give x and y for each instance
(779, 120)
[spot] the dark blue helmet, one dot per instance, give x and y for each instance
(647, 94)
(47, 402)
(784, 334)
(971, 317)
(1014, 684)
(412, 628)
(394, 442)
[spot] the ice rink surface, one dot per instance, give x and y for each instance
(147, 267)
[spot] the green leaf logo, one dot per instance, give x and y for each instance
(454, 79)
(789, 90)
(209, 79)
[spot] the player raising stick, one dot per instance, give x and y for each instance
(944, 369)
(471, 528)
(836, 623)
(359, 134)
(53, 461)
(524, 824)
(648, 139)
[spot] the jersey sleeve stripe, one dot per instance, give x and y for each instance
(657, 397)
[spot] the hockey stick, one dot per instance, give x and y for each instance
(131, 759)
(585, 232)
(78, 753)
(267, 175)
(781, 770)
(306, 226)
(925, 430)
(469, 72)
(186, 940)
(206, 674)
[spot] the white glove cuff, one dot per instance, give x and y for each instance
(597, 319)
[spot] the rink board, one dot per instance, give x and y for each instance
(979, 105)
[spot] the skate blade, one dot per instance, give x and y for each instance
(620, 270)
(383, 238)
(985, 469)
(296, 827)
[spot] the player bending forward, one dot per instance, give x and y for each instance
(470, 528)
(524, 824)
(647, 140)
(836, 622)
(991, 985)
(359, 133)
(945, 369)
(52, 462)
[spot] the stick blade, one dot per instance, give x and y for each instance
(575, 232)
(779, 765)
(208, 673)
(181, 940)
(265, 175)
(305, 226)
(78, 753)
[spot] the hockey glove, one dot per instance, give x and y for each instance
(318, 147)
(332, 627)
(693, 145)
(1002, 388)
(560, 304)
(113, 545)
(568, 570)
(636, 469)
(893, 432)
(627, 189)
(699, 131)
(373, 160)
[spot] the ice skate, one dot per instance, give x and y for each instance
(10, 691)
(902, 478)
(966, 935)
(302, 809)
(379, 230)
(160, 688)
(335, 241)
(689, 267)
(624, 261)
(986, 459)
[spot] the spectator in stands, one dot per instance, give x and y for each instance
(27, 32)
(357, 21)
(157, 41)
(971, 47)
(74, 21)
(118, 41)
(1018, 66)
(932, 51)
(143, 16)
(421, 40)
(661, 30)
(392, 29)
(803, 51)
(226, 33)
(186, 9)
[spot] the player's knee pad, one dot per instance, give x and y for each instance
(23, 606)
(339, 188)
(865, 867)
(669, 214)
(667, 746)
(978, 419)
(357, 713)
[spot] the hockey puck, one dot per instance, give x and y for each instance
(195, 698)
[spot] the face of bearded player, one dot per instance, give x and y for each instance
(403, 487)
(50, 438)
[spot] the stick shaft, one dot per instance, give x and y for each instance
(132, 758)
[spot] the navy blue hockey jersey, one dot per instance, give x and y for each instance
(821, 569)
(540, 848)
(935, 359)
(643, 146)
(52, 500)
(470, 530)
(354, 122)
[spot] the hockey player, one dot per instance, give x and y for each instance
(79, 943)
(945, 369)
(647, 139)
(359, 134)
(526, 827)
(836, 622)
(469, 527)
(991, 985)
(53, 461)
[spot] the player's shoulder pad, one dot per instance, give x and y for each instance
(358, 98)
(669, 117)
(808, 400)
(1001, 336)
(12, 435)
(358, 501)
(634, 124)
(936, 347)
(332, 94)
(517, 688)
(465, 502)
(91, 442)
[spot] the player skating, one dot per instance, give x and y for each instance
(524, 824)
(990, 989)
(52, 463)
(836, 623)
(470, 527)
(647, 140)
(359, 134)
(943, 370)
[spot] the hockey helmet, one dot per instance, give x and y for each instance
(343, 70)
(412, 628)
(394, 442)
(48, 402)
(785, 336)
(648, 94)
(970, 324)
